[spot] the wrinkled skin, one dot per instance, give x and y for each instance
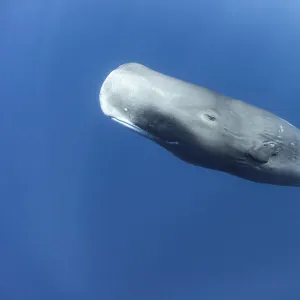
(203, 127)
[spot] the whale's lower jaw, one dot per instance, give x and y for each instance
(135, 128)
(142, 132)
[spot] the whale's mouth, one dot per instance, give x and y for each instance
(143, 132)
(135, 128)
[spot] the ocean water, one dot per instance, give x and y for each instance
(90, 210)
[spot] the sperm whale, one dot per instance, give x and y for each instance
(203, 127)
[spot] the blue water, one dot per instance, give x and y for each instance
(91, 210)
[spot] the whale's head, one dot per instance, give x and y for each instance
(128, 98)
(156, 106)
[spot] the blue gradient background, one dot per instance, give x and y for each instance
(90, 210)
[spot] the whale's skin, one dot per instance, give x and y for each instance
(203, 127)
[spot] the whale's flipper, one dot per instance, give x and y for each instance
(263, 152)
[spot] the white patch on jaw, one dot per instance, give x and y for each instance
(281, 128)
(172, 142)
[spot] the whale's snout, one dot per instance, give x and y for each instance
(106, 95)
(121, 92)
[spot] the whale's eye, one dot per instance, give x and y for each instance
(210, 117)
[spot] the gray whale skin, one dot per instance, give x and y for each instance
(203, 127)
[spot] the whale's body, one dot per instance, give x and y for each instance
(203, 127)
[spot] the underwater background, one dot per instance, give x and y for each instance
(89, 209)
